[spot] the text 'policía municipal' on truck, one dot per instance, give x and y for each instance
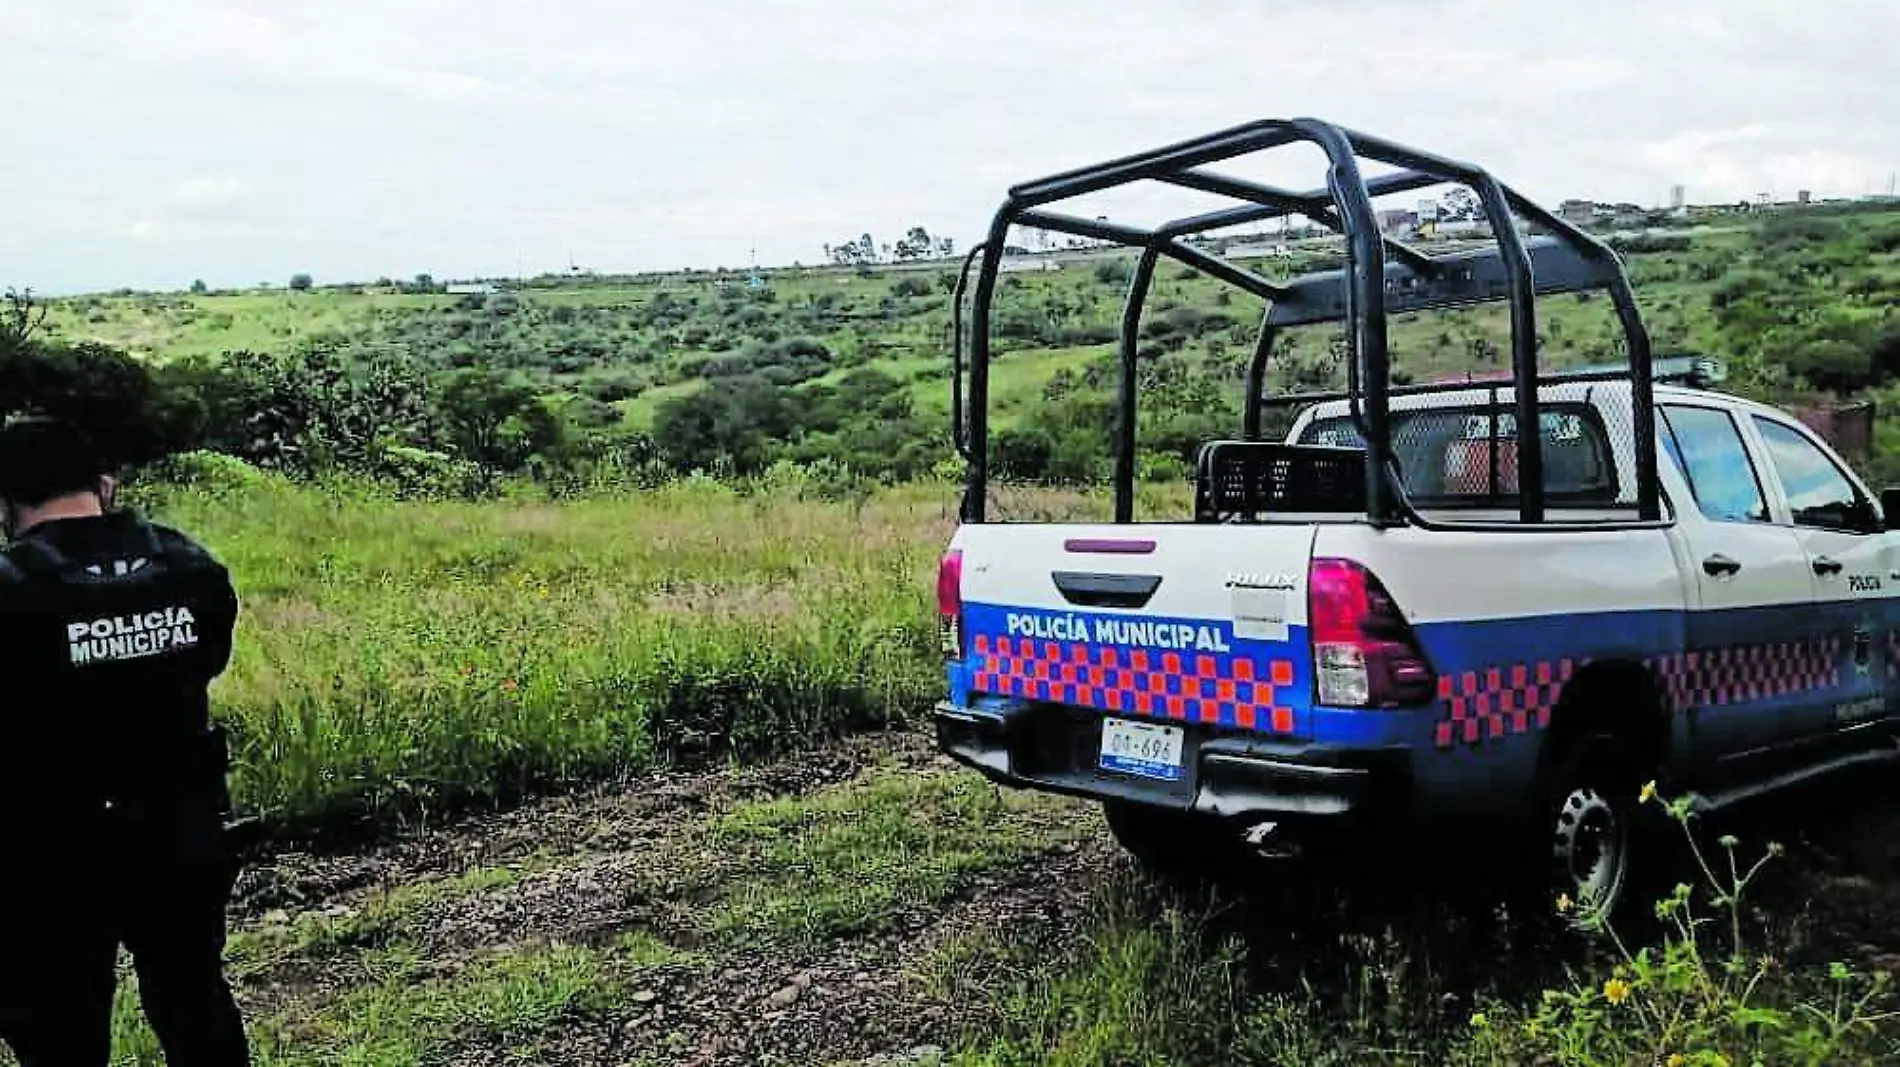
(1407, 616)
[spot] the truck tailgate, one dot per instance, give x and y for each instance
(1191, 623)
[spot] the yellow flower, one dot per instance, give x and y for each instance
(1616, 991)
(1564, 903)
(1649, 792)
(1675, 1059)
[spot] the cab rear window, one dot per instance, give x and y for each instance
(1468, 455)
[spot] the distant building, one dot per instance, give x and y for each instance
(469, 289)
(1397, 221)
(1258, 250)
(1804, 197)
(1578, 212)
(1847, 426)
(1678, 196)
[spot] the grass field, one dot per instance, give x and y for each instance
(169, 326)
(406, 660)
(395, 658)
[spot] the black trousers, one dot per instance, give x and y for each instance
(157, 886)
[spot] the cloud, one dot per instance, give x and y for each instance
(205, 192)
(362, 137)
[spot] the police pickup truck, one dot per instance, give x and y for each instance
(1407, 616)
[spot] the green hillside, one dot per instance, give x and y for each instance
(851, 364)
(638, 344)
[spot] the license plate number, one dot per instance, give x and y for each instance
(1145, 749)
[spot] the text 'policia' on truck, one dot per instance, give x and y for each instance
(1405, 618)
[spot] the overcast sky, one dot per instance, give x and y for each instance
(151, 142)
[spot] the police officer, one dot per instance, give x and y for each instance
(112, 774)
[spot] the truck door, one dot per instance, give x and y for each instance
(1735, 674)
(1850, 575)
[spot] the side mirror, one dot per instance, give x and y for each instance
(1890, 508)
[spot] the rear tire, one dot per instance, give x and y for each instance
(1599, 845)
(1178, 847)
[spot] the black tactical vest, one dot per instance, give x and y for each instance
(122, 639)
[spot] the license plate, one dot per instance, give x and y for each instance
(1141, 748)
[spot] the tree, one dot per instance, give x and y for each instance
(319, 406)
(21, 319)
(914, 245)
(733, 424)
(852, 253)
(301, 282)
(199, 288)
(101, 389)
(494, 420)
(1461, 205)
(1023, 454)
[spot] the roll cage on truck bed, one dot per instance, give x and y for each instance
(1331, 645)
(1365, 294)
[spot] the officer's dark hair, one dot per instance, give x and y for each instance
(43, 458)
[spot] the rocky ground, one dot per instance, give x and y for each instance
(726, 965)
(845, 905)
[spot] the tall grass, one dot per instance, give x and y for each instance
(1164, 983)
(395, 658)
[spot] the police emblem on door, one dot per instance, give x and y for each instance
(1863, 648)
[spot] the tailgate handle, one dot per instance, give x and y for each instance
(1106, 590)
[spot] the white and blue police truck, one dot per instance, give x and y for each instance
(1405, 615)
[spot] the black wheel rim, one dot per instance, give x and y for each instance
(1590, 850)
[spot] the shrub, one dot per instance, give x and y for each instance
(212, 474)
(421, 474)
(1022, 453)
(1688, 1001)
(1637, 244)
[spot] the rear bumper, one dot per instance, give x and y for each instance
(1242, 777)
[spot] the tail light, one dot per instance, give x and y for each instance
(1365, 654)
(950, 604)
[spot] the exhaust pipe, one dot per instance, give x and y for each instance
(1266, 842)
